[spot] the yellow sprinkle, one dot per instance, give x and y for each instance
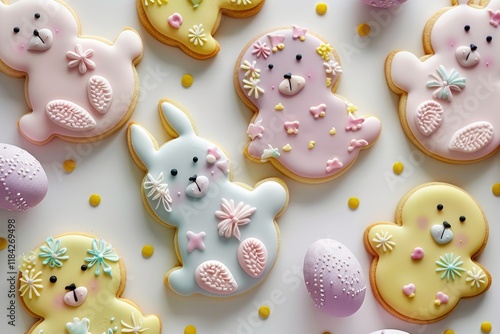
(147, 251)
(486, 327)
(328, 82)
(187, 80)
(95, 200)
(353, 203)
(333, 131)
(3, 243)
(398, 168)
(190, 329)
(279, 107)
(496, 189)
(287, 148)
(281, 46)
(364, 29)
(69, 166)
(311, 144)
(321, 8)
(264, 312)
(449, 331)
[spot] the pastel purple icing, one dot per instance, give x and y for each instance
(23, 181)
(383, 3)
(334, 278)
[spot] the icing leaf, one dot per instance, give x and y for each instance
(232, 217)
(445, 83)
(252, 256)
(428, 117)
(472, 137)
(53, 253)
(100, 93)
(100, 253)
(70, 115)
(215, 277)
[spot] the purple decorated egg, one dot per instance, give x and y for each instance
(334, 278)
(23, 180)
(383, 3)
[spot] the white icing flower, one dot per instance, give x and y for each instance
(81, 59)
(260, 49)
(476, 277)
(232, 217)
(159, 191)
(30, 282)
(244, 2)
(332, 67)
(135, 328)
(253, 87)
(383, 239)
(250, 69)
(197, 35)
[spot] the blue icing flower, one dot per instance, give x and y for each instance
(53, 253)
(100, 253)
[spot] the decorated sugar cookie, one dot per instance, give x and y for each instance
(191, 24)
(449, 96)
(288, 77)
(73, 284)
(78, 88)
(227, 239)
(425, 262)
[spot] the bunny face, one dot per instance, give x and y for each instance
(424, 264)
(79, 89)
(287, 77)
(73, 282)
(226, 237)
(449, 96)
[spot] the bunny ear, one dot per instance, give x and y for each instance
(176, 120)
(142, 146)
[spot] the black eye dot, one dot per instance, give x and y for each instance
(53, 279)
(195, 159)
(16, 29)
(467, 28)
(83, 267)
(440, 207)
(270, 66)
(462, 219)
(173, 172)
(298, 56)
(489, 39)
(37, 15)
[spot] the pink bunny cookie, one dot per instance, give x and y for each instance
(191, 24)
(73, 283)
(287, 76)
(227, 239)
(449, 96)
(79, 88)
(424, 263)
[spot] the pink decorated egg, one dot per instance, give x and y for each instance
(23, 180)
(334, 278)
(383, 3)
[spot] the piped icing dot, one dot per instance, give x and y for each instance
(353, 203)
(95, 200)
(486, 327)
(495, 189)
(364, 29)
(147, 251)
(398, 168)
(321, 8)
(187, 80)
(279, 107)
(3, 243)
(190, 329)
(264, 312)
(69, 166)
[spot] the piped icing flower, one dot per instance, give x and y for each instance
(197, 35)
(324, 50)
(250, 68)
(153, 2)
(53, 253)
(100, 254)
(476, 277)
(450, 266)
(135, 327)
(252, 84)
(81, 59)
(232, 217)
(261, 49)
(158, 190)
(30, 283)
(242, 2)
(383, 239)
(445, 83)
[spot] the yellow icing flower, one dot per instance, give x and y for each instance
(324, 51)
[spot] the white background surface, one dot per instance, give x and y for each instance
(314, 211)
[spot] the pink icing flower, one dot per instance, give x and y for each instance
(232, 217)
(260, 49)
(80, 59)
(494, 17)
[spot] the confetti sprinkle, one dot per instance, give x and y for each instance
(321, 8)
(95, 200)
(190, 329)
(69, 166)
(264, 312)
(147, 252)
(3, 243)
(187, 80)
(486, 327)
(364, 29)
(496, 189)
(398, 168)
(353, 203)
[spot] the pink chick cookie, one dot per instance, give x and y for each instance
(24, 182)
(79, 88)
(287, 78)
(449, 96)
(334, 278)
